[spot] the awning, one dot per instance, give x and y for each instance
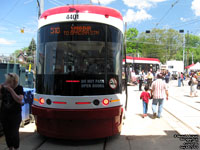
(196, 66)
(188, 67)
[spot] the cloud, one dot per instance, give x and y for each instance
(103, 2)
(184, 19)
(6, 42)
(196, 7)
(132, 16)
(142, 4)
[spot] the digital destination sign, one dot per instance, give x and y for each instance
(75, 30)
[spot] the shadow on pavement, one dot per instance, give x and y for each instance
(166, 141)
(143, 142)
(148, 115)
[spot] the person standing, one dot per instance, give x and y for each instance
(141, 79)
(145, 96)
(11, 94)
(158, 90)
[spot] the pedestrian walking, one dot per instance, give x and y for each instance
(11, 94)
(167, 76)
(141, 79)
(193, 85)
(149, 78)
(158, 91)
(182, 78)
(145, 96)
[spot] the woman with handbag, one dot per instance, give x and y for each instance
(11, 94)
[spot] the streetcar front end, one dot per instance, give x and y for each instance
(79, 72)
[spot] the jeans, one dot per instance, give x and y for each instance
(140, 85)
(160, 106)
(145, 107)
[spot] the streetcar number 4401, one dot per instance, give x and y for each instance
(72, 16)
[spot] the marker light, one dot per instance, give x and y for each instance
(72, 81)
(105, 101)
(41, 101)
(56, 102)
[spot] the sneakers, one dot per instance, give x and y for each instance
(144, 115)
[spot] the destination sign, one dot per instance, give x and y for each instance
(75, 30)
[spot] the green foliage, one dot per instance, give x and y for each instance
(161, 43)
(131, 38)
(28, 53)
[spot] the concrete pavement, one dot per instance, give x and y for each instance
(137, 133)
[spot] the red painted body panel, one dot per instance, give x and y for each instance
(83, 9)
(142, 58)
(78, 124)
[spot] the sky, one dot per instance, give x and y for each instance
(141, 14)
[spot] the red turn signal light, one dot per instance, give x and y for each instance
(105, 101)
(41, 101)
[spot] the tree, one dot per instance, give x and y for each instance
(192, 48)
(28, 53)
(31, 48)
(131, 44)
(161, 43)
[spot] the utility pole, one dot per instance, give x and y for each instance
(192, 58)
(182, 31)
(125, 71)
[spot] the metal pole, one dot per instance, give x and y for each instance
(41, 6)
(192, 58)
(125, 71)
(183, 52)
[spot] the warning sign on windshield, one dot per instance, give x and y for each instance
(113, 83)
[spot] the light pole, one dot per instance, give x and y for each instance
(182, 31)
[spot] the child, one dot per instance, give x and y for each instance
(145, 96)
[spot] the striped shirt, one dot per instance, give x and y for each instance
(158, 88)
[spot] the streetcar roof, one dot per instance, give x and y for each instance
(93, 9)
(82, 13)
(130, 59)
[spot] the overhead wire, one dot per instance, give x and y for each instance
(172, 6)
(10, 10)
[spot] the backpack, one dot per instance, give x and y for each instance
(7, 100)
(190, 82)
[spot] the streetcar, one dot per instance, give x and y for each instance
(79, 72)
(138, 64)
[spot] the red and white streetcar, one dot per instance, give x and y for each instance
(78, 73)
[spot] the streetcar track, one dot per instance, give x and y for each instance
(184, 123)
(185, 103)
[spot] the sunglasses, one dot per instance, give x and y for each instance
(10, 75)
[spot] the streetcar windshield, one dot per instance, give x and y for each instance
(78, 51)
(80, 57)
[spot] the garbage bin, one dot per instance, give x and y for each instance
(26, 108)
